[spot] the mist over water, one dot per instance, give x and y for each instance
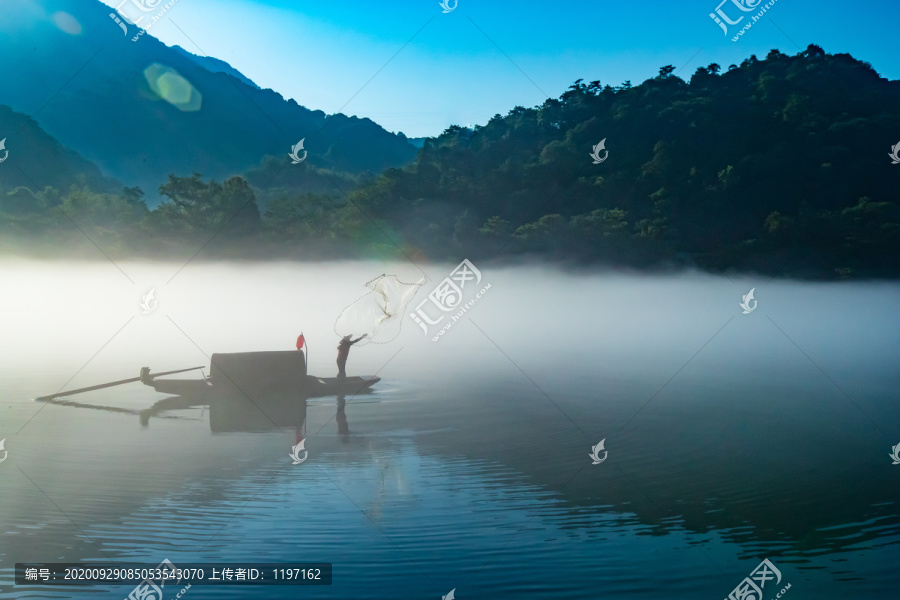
(731, 437)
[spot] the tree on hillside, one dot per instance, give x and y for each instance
(196, 206)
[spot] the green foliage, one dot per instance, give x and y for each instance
(196, 206)
(714, 173)
(776, 165)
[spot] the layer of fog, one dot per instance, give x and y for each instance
(59, 316)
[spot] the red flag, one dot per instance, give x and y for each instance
(300, 341)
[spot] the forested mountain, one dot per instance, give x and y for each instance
(56, 166)
(141, 110)
(778, 165)
(214, 65)
(773, 164)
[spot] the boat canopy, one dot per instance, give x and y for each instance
(258, 372)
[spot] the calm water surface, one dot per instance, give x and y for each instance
(731, 438)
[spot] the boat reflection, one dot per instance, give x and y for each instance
(245, 392)
(233, 412)
(230, 412)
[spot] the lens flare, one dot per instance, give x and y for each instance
(169, 85)
(67, 23)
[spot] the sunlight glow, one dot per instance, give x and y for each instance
(169, 85)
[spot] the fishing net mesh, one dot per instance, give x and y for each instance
(378, 313)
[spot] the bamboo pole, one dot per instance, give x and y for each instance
(106, 385)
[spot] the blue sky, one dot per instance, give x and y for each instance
(485, 58)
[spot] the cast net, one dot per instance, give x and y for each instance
(379, 313)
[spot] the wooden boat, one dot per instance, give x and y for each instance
(256, 376)
(259, 375)
(313, 387)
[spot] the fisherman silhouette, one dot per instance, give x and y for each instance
(343, 352)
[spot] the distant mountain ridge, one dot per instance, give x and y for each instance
(142, 110)
(214, 65)
(57, 166)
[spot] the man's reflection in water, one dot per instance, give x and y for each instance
(298, 418)
(300, 427)
(341, 418)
